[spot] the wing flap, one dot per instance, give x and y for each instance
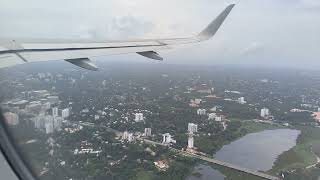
(84, 63)
(151, 54)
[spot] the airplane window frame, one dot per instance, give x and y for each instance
(12, 154)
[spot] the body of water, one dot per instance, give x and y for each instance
(207, 173)
(256, 151)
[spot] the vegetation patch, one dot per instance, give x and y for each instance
(301, 155)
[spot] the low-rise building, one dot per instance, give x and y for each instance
(201, 112)
(211, 116)
(162, 165)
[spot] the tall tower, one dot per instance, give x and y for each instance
(190, 141)
(55, 111)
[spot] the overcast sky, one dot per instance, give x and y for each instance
(274, 32)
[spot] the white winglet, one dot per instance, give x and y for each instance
(213, 27)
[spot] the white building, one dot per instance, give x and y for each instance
(192, 128)
(49, 121)
(49, 128)
(264, 112)
(96, 117)
(190, 142)
(147, 131)
(211, 116)
(224, 125)
(318, 109)
(125, 135)
(65, 113)
(197, 101)
(218, 118)
(167, 139)
(57, 123)
(201, 112)
(55, 111)
(130, 137)
(11, 118)
(241, 100)
(138, 117)
(39, 122)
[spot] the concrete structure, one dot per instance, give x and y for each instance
(167, 139)
(138, 117)
(39, 122)
(190, 142)
(55, 111)
(147, 132)
(49, 128)
(125, 135)
(130, 137)
(11, 118)
(161, 165)
(264, 112)
(192, 128)
(241, 100)
(218, 118)
(53, 99)
(49, 123)
(201, 112)
(212, 116)
(65, 113)
(57, 123)
(224, 125)
(197, 101)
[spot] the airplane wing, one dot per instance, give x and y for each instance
(78, 53)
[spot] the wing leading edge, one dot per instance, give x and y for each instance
(78, 53)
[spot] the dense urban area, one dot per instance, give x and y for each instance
(150, 121)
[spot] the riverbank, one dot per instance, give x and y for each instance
(302, 155)
(236, 130)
